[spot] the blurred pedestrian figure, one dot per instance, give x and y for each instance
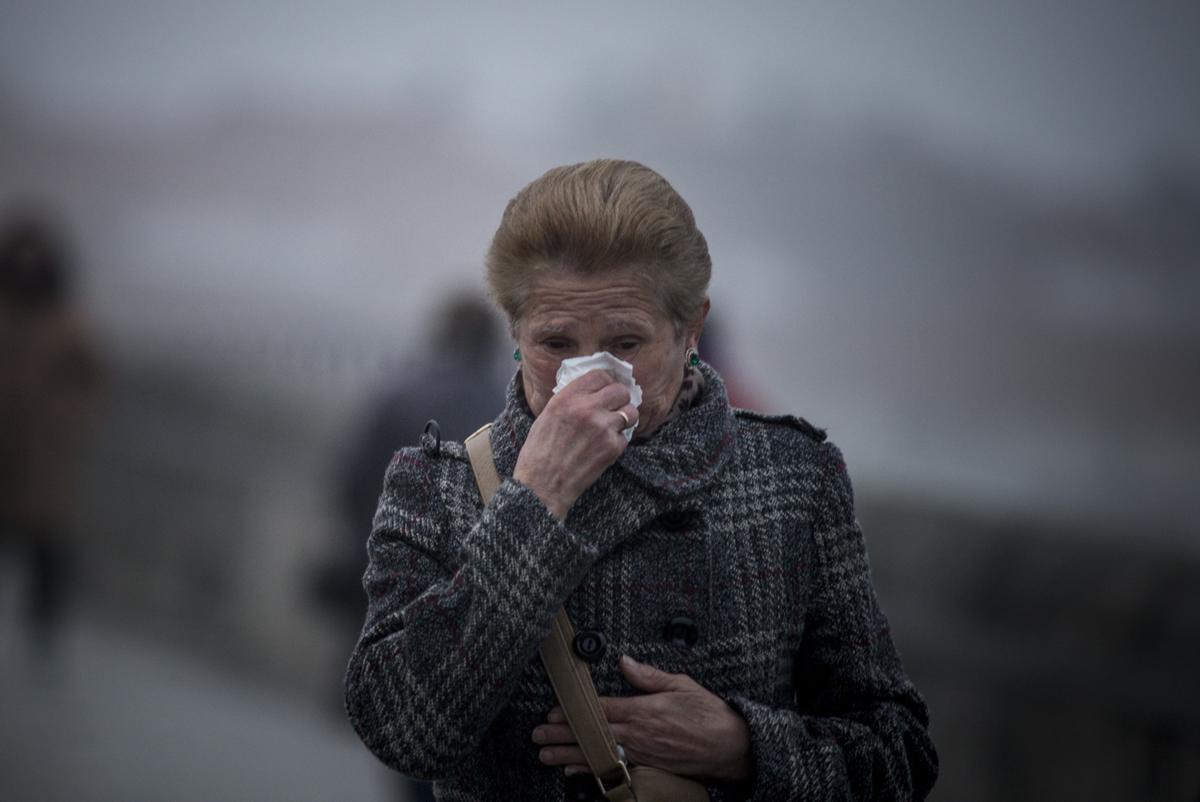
(49, 381)
(457, 377)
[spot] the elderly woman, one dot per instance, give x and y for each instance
(715, 557)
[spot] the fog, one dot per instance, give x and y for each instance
(960, 236)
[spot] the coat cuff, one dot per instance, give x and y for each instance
(780, 763)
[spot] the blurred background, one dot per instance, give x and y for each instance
(243, 240)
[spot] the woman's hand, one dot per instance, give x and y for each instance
(577, 436)
(676, 724)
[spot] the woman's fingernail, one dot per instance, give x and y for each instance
(629, 661)
(570, 770)
(545, 755)
(539, 736)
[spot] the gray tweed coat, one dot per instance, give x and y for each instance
(740, 523)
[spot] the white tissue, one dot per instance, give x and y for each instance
(621, 371)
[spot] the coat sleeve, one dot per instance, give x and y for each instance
(859, 728)
(453, 616)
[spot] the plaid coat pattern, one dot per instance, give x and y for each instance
(742, 523)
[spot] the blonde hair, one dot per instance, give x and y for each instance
(595, 216)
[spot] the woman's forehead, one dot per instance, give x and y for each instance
(610, 300)
(613, 321)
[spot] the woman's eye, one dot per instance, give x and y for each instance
(555, 345)
(627, 345)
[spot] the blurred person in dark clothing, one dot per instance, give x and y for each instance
(458, 387)
(456, 379)
(49, 381)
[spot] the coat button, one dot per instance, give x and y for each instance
(681, 632)
(589, 645)
(675, 520)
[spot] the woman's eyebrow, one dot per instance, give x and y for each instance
(625, 325)
(625, 322)
(611, 327)
(552, 330)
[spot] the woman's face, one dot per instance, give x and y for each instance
(570, 314)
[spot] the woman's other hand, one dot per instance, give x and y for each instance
(675, 724)
(575, 438)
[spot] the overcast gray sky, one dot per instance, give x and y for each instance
(1079, 87)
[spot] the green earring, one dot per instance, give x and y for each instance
(691, 358)
(517, 354)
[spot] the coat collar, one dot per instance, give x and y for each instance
(677, 461)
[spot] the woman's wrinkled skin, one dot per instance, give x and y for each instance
(675, 723)
(577, 434)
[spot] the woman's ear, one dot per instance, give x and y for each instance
(696, 327)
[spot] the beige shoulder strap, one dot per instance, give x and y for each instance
(568, 674)
(479, 450)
